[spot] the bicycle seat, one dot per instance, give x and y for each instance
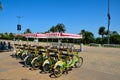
(21, 48)
(46, 47)
(53, 50)
(53, 55)
(63, 56)
(66, 54)
(32, 49)
(71, 55)
(41, 52)
(63, 49)
(40, 47)
(32, 52)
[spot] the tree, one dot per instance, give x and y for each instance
(1, 35)
(27, 31)
(57, 28)
(53, 29)
(102, 31)
(83, 33)
(88, 37)
(114, 33)
(60, 28)
(5, 35)
(98, 40)
(11, 36)
(115, 39)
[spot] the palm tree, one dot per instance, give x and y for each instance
(102, 31)
(88, 37)
(27, 31)
(60, 27)
(53, 29)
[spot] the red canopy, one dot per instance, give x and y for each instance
(51, 35)
(63, 35)
(30, 35)
(68, 35)
(39, 35)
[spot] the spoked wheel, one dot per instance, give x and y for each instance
(35, 64)
(46, 68)
(19, 55)
(79, 63)
(57, 71)
(27, 61)
(23, 56)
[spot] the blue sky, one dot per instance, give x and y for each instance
(40, 15)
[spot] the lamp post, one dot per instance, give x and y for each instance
(108, 15)
(18, 25)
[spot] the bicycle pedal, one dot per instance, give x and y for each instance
(31, 69)
(25, 66)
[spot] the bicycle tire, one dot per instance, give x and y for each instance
(27, 61)
(35, 64)
(79, 63)
(57, 71)
(23, 56)
(46, 68)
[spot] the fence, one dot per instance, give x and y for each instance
(94, 44)
(105, 45)
(112, 45)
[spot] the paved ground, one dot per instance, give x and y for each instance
(99, 64)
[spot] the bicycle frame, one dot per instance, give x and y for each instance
(65, 64)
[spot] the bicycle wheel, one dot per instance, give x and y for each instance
(19, 55)
(58, 71)
(79, 63)
(46, 68)
(35, 64)
(23, 56)
(27, 61)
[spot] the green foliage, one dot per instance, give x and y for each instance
(88, 37)
(114, 33)
(98, 40)
(27, 31)
(1, 35)
(7, 36)
(53, 29)
(11, 36)
(58, 28)
(115, 39)
(102, 31)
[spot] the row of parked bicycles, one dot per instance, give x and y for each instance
(49, 59)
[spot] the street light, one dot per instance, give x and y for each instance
(108, 15)
(18, 25)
